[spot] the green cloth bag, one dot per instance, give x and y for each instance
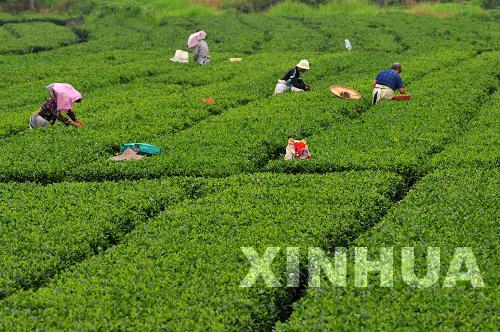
(141, 148)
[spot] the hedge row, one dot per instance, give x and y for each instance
(447, 209)
(46, 229)
(92, 72)
(153, 44)
(402, 136)
(479, 146)
(411, 34)
(249, 34)
(245, 138)
(242, 138)
(182, 271)
(142, 86)
(20, 38)
(138, 111)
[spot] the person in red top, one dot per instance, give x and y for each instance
(297, 149)
(301, 150)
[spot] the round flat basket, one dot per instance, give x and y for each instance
(345, 92)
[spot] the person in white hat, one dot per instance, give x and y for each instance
(292, 81)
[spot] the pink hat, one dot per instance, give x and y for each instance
(195, 38)
(64, 94)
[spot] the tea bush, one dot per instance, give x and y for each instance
(182, 269)
(242, 132)
(165, 254)
(479, 145)
(46, 229)
(447, 209)
(403, 136)
(20, 38)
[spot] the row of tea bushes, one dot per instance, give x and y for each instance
(402, 136)
(480, 145)
(138, 111)
(182, 270)
(448, 209)
(21, 38)
(46, 229)
(164, 110)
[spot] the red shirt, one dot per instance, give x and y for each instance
(299, 146)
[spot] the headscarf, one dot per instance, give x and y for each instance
(64, 94)
(195, 38)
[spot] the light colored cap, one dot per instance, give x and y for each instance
(303, 64)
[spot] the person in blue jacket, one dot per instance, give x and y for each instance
(386, 83)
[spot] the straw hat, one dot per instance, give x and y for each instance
(180, 56)
(303, 64)
(345, 92)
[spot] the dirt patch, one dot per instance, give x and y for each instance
(217, 4)
(417, 10)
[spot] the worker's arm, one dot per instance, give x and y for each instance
(72, 116)
(401, 87)
(196, 51)
(294, 76)
(60, 117)
(299, 84)
(374, 82)
(64, 119)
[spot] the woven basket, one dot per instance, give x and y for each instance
(345, 92)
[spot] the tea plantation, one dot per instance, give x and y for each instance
(158, 244)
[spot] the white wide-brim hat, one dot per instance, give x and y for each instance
(180, 56)
(303, 64)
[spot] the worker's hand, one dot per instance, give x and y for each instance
(76, 124)
(81, 123)
(308, 88)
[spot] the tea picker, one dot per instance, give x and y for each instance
(386, 83)
(63, 97)
(292, 81)
(297, 149)
(197, 43)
